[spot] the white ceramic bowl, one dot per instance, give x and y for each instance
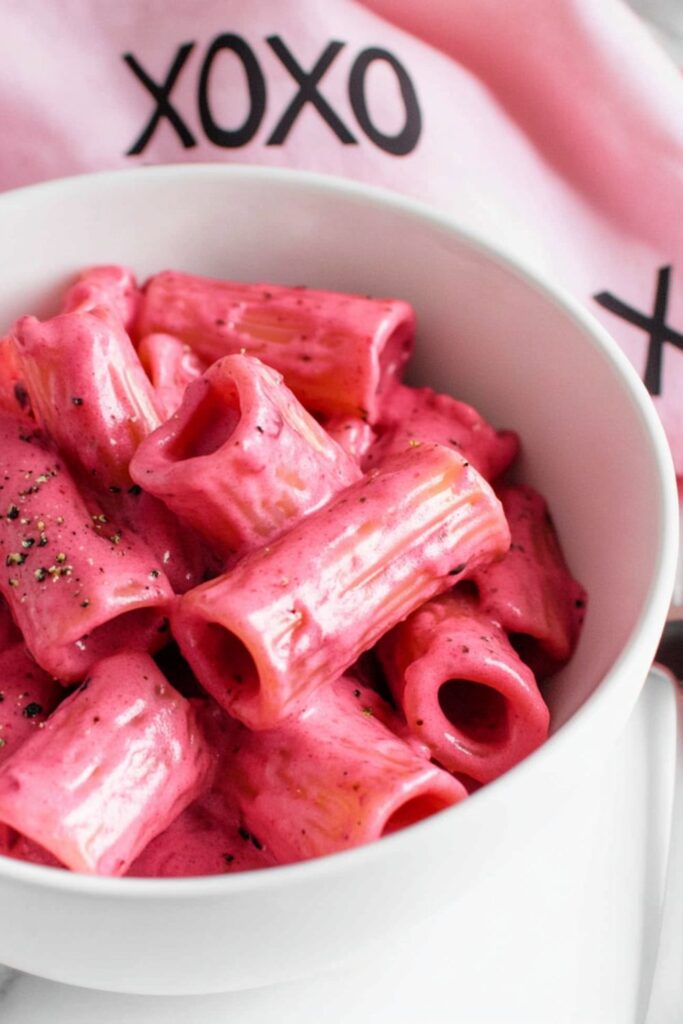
(529, 358)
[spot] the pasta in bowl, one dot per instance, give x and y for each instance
(279, 503)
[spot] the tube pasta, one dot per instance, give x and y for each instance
(242, 460)
(27, 696)
(171, 366)
(296, 614)
(88, 390)
(463, 689)
(352, 434)
(77, 587)
(531, 592)
(113, 287)
(420, 414)
(112, 767)
(330, 778)
(338, 353)
(305, 536)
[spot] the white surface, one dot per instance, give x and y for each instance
(567, 948)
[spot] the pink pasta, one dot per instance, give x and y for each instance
(113, 287)
(351, 433)
(259, 601)
(113, 767)
(14, 397)
(171, 366)
(27, 696)
(463, 689)
(420, 414)
(296, 614)
(242, 460)
(78, 587)
(331, 778)
(531, 593)
(338, 353)
(9, 634)
(88, 390)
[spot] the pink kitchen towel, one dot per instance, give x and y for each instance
(552, 129)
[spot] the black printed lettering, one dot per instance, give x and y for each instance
(233, 138)
(655, 326)
(406, 140)
(161, 94)
(308, 93)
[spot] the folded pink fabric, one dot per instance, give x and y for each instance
(553, 129)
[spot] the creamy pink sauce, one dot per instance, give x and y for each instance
(329, 751)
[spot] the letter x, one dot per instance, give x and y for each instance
(161, 94)
(655, 325)
(308, 93)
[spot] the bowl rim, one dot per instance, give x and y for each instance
(596, 709)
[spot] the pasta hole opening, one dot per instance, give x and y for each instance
(533, 653)
(231, 659)
(478, 712)
(209, 426)
(416, 809)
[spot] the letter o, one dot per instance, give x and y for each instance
(233, 138)
(406, 140)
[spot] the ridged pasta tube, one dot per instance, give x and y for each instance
(338, 353)
(242, 460)
(296, 614)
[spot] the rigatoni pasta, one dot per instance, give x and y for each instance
(114, 765)
(170, 366)
(463, 689)
(258, 601)
(78, 587)
(338, 353)
(295, 614)
(531, 592)
(113, 287)
(28, 695)
(241, 460)
(329, 779)
(88, 388)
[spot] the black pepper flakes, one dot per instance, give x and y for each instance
(21, 395)
(13, 512)
(32, 709)
(76, 401)
(135, 490)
